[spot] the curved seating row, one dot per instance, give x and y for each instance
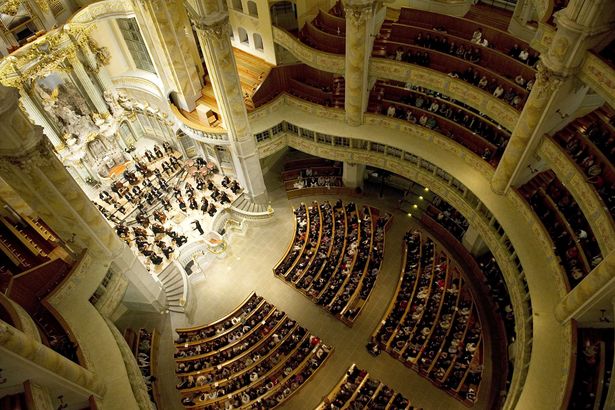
(443, 125)
(573, 238)
(267, 359)
(442, 107)
(589, 141)
(335, 256)
(304, 82)
(432, 325)
(357, 390)
(485, 265)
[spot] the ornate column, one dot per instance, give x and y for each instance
(167, 31)
(359, 27)
(18, 344)
(85, 83)
(579, 27)
(528, 130)
(213, 34)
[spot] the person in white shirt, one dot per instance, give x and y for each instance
(391, 111)
(523, 55)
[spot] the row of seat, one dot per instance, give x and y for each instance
(589, 141)
(358, 390)
(485, 266)
(408, 44)
(335, 256)
(269, 357)
(432, 324)
(443, 107)
(433, 121)
(572, 236)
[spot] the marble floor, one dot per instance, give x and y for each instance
(248, 267)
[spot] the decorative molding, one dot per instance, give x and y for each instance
(543, 38)
(600, 76)
(103, 10)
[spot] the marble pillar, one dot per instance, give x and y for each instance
(359, 28)
(580, 26)
(352, 175)
(38, 115)
(220, 60)
(527, 131)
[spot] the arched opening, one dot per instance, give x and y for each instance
(236, 4)
(284, 15)
(243, 35)
(252, 9)
(258, 41)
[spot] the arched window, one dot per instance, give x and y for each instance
(258, 41)
(237, 5)
(284, 15)
(252, 9)
(243, 35)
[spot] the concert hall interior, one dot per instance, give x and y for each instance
(307, 204)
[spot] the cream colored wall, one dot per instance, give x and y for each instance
(260, 25)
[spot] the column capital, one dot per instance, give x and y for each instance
(213, 24)
(357, 11)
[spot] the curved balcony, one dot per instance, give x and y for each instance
(481, 100)
(198, 131)
(321, 60)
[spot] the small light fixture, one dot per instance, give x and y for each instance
(426, 189)
(415, 206)
(421, 197)
(409, 214)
